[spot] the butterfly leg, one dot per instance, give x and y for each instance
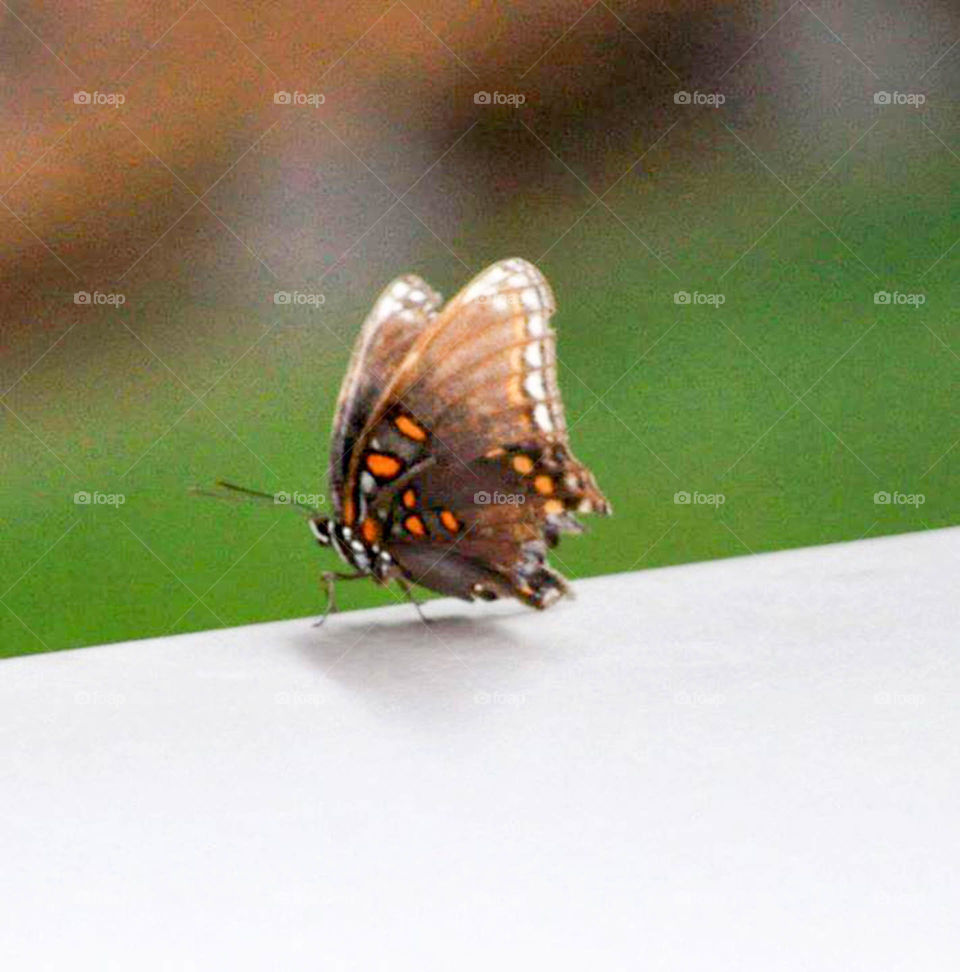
(407, 589)
(330, 578)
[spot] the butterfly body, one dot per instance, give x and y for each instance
(363, 557)
(450, 466)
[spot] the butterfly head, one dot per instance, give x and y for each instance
(320, 527)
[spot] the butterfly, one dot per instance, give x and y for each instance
(450, 466)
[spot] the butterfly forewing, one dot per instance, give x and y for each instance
(400, 314)
(484, 372)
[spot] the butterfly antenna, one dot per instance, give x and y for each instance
(256, 494)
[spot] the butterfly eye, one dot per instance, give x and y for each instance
(320, 528)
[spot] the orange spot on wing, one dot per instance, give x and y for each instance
(409, 499)
(553, 507)
(523, 464)
(543, 484)
(415, 526)
(406, 426)
(449, 521)
(370, 530)
(383, 466)
(349, 513)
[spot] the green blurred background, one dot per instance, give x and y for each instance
(797, 399)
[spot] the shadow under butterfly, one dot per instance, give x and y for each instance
(450, 465)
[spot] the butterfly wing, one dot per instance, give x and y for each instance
(400, 314)
(464, 464)
(479, 530)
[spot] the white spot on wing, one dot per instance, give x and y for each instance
(531, 299)
(367, 483)
(533, 385)
(536, 326)
(541, 415)
(388, 306)
(479, 288)
(533, 356)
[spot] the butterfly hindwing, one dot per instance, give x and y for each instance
(480, 530)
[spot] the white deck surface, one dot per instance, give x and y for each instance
(751, 764)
